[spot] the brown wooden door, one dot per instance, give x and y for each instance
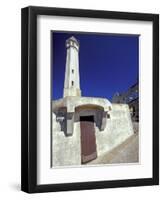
(88, 140)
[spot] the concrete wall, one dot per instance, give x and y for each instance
(118, 128)
(73, 102)
(66, 150)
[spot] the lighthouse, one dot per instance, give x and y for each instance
(72, 79)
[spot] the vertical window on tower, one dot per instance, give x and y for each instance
(72, 83)
(72, 71)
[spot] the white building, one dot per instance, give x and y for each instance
(84, 128)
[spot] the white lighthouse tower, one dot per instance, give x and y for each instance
(72, 80)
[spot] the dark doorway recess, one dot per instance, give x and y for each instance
(89, 118)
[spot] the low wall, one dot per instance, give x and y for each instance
(118, 128)
(66, 150)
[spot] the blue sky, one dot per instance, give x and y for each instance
(108, 63)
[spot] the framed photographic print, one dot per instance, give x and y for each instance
(90, 99)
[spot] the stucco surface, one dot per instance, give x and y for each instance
(118, 128)
(72, 102)
(66, 150)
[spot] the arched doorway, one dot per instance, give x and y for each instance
(89, 116)
(88, 139)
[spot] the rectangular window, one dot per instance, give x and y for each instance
(72, 71)
(72, 83)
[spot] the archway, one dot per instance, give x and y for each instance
(88, 139)
(89, 116)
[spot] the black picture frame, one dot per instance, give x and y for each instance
(29, 98)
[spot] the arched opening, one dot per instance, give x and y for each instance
(90, 110)
(89, 115)
(88, 107)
